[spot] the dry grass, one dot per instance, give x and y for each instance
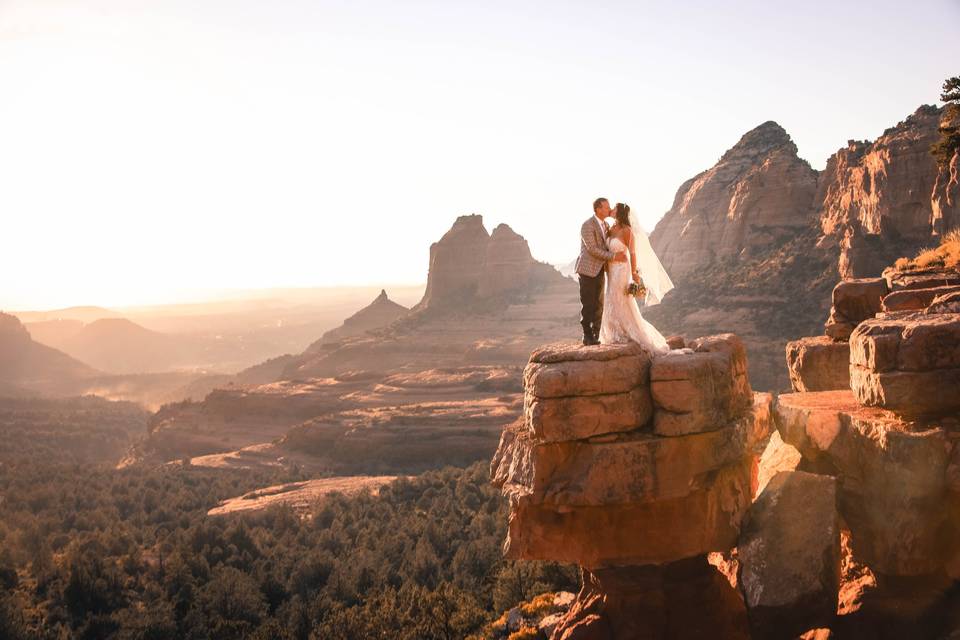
(540, 606)
(945, 256)
(525, 633)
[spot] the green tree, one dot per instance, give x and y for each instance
(11, 620)
(949, 143)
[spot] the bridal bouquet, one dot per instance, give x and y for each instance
(637, 290)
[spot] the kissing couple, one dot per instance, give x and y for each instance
(620, 254)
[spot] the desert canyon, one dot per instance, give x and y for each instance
(790, 469)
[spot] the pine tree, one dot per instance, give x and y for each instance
(949, 143)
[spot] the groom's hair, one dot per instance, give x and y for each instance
(598, 202)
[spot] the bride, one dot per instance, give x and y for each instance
(622, 320)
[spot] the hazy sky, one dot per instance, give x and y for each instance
(152, 150)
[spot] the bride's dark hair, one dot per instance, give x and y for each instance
(622, 214)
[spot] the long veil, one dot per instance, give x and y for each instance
(655, 277)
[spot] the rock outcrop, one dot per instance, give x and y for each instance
(877, 198)
(752, 256)
(909, 363)
(946, 188)
(638, 494)
(468, 264)
(757, 194)
(891, 439)
(854, 301)
(818, 364)
(789, 556)
(893, 472)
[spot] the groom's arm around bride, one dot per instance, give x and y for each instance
(594, 254)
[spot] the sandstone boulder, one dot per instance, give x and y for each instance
(910, 364)
(892, 477)
(818, 364)
(565, 370)
(626, 468)
(947, 303)
(707, 519)
(777, 456)
(676, 342)
(578, 417)
(703, 390)
(903, 281)
(789, 556)
(915, 299)
(574, 392)
(853, 302)
(838, 329)
(632, 498)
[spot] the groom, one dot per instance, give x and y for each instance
(593, 256)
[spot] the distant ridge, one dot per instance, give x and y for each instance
(82, 313)
(119, 345)
(31, 366)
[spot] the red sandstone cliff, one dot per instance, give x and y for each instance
(758, 193)
(468, 264)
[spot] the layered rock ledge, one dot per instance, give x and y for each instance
(895, 491)
(625, 462)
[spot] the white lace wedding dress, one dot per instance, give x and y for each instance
(622, 320)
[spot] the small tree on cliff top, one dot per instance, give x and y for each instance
(949, 141)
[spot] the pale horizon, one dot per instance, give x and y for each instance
(157, 151)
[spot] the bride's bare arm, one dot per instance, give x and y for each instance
(633, 255)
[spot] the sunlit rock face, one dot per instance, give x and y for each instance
(753, 241)
(909, 364)
(884, 199)
(789, 555)
(757, 193)
(634, 467)
(945, 200)
(890, 439)
(818, 363)
(894, 493)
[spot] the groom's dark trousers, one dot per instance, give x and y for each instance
(591, 303)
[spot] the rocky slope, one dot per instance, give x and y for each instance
(759, 193)
(28, 368)
(432, 387)
(30, 365)
(877, 200)
(755, 242)
(648, 473)
(878, 408)
(120, 346)
(379, 313)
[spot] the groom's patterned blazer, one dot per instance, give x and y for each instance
(593, 248)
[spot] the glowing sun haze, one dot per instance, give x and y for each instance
(153, 150)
